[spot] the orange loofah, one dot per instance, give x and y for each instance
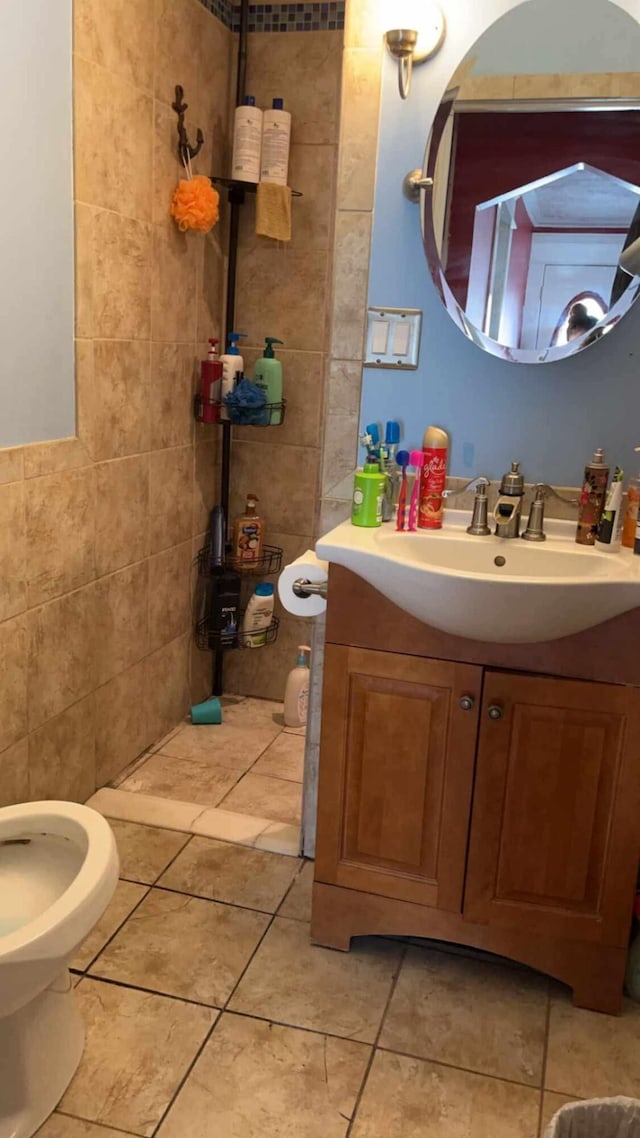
(195, 204)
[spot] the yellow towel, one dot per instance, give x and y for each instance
(273, 211)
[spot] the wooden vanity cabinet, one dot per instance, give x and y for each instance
(477, 804)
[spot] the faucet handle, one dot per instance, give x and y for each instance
(473, 483)
(479, 522)
(534, 530)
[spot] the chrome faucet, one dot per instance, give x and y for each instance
(535, 524)
(508, 508)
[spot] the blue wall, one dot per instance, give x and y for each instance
(550, 416)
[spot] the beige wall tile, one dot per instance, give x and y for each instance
(264, 671)
(173, 367)
(216, 55)
(282, 293)
(13, 681)
(177, 28)
(122, 508)
(14, 774)
(333, 511)
(302, 374)
(60, 514)
(170, 497)
(13, 566)
(340, 448)
(62, 755)
(167, 168)
(359, 129)
(206, 486)
(112, 160)
(344, 384)
(121, 723)
(122, 284)
(625, 84)
(61, 649)
(121, 624)
(489, 87)
(562, 86)
(173, 308)
(350, 280)
(115, 409)
(285, 479)
(116, 35)
(312, 170)
(167, 686)
(11, 465)
(169, 598)
(84, 265)
(56, 456)
(211, 285)
(363, 25)
(283, 62)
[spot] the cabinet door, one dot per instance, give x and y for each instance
(555, 825)
(396, 771)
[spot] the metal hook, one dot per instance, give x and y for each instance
(185, 150)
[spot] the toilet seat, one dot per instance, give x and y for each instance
(89, 889)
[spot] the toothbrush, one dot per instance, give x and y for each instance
(402, 459)
(417, 460)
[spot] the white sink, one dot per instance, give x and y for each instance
(450, 580)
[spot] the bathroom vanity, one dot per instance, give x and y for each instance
(481, 793)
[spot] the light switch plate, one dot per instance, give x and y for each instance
(401, 344)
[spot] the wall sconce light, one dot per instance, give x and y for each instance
(414, 44)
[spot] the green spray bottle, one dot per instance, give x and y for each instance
(267, 375)
(368, 494)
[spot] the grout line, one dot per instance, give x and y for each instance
(455, 1067)
(150, 991)
(545, 1054)
(217, 900)
(303, 862)
(374, 1048)
(210, 1032)
(92, 1122)
(147, 890)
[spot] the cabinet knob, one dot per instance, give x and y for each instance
(495, 711)
(466, 702)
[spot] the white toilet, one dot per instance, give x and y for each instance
(58, 871)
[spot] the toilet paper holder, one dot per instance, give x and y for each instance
(303, 588)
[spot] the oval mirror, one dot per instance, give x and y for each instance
(531, 181)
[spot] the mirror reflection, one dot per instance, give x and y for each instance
(535, 181)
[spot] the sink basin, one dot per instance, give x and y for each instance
(489, 588)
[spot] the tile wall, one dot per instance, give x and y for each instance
(97, 532)
(286, 292)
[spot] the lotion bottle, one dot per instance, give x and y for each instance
(232, 364)
(248, 536)
(258, 616)
(296, 695)
(247, 141)
(267, 375)
(276, 141)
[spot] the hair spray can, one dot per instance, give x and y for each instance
(435, 447)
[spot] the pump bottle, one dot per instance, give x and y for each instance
(267, 375)
(296, 696)
(210, 381)
(232, 365)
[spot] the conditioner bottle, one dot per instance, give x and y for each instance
(247, 141)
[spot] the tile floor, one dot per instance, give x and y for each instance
(240, 781)
(210, 1015)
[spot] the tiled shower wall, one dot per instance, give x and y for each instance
(286, 292)
(97, 532)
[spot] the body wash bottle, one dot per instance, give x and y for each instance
(232, 365)
(247, 141)
(594, 488)
(276, 137)
(267, 375)
(248, 536)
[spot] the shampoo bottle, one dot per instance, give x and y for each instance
(276, 139)
(247, 141)
(258, 616)
(223, 586)
(232, 365)
(296, 695)
(369, 489)
(210, 380)
(631, 512)
(435, 447)
(594, 488)
(248, 536)
(267, 375)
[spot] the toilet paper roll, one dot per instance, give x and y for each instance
(309, 568)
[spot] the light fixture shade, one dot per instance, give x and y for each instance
(414, 31)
